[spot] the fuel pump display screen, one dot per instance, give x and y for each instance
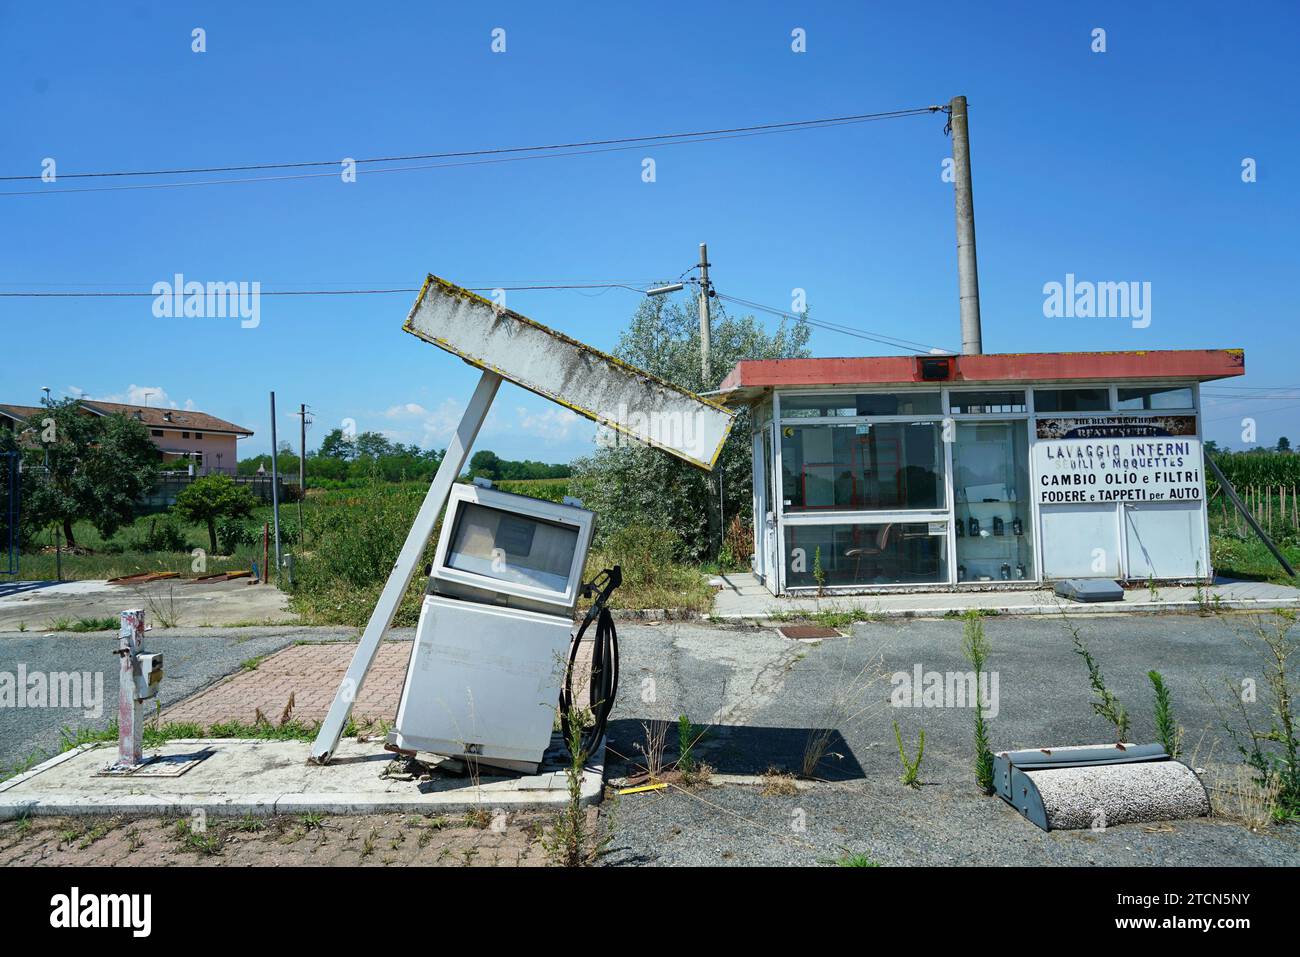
(512, 548)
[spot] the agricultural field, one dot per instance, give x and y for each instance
(344, 541)
(1269, 484)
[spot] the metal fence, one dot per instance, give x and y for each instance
(169, 485)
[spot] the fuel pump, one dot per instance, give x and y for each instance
(495, 648)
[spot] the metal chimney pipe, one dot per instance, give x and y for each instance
(968, 282)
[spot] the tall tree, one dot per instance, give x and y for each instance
(95, 468)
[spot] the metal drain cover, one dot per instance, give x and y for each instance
(808, 632)
(159, 766)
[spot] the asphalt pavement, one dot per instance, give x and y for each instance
(192, 659)
(769, 691)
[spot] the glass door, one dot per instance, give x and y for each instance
(992, 514)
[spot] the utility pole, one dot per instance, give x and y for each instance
(706, 331)
(302, 468)
(275, 489)
(968, 282)
(715, 529)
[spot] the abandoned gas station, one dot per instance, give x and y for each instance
(993, 471)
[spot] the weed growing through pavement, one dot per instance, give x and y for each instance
(911, 766)
(849, 698)
(1105, 704)
(1167, 731)
(1273, 753)
(656, 736)
(976, 650)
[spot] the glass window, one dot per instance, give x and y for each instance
(990, 465)
(1072, 400)
(891, 553)
(847, 405)
(1156, 397)
(512, 548)
(986, 403)
(885, 465)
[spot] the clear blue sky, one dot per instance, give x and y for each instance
(1123, 165)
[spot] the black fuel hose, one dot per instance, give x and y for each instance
(604, 664)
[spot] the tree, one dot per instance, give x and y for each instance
(1284, 444)
(485, 464)
(212, 497)
(631, 484)
(336, 445)
(95, 467)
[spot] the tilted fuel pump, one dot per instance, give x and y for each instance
(495, 648)
(496, 619)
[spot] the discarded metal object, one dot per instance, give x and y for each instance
(1097, 786)
(1089, 590)
(506, 345)
(590, 382)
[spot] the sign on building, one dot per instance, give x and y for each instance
(1118, 459)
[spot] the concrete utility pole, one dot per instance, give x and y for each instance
(275, 488)
(302, 468)
(706, 331)
(968, 282)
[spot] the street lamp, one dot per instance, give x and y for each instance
(664, 290)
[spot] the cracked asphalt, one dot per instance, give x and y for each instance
(769, 691)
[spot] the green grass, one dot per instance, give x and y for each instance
(833, 617)
(83, 624)
(857, 860)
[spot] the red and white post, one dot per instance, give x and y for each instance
(130, 710)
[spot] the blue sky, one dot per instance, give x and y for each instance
(1115, 166)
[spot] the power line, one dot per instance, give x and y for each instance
(390, 169)
(458, 154)
(97, 294)
(880, 338)
(406, 290)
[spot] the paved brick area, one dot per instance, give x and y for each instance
(311, 673)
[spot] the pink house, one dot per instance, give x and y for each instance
(184, 436)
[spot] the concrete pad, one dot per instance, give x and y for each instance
(193, 604)
(273, 777)
(742, 596)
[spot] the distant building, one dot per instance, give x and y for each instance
(183, 436)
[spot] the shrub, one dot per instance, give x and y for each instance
(644, 551)
(165, 535)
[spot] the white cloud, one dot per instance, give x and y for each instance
(424, 426)
(550, 423)
(154, 396)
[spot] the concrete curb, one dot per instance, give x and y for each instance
(20, 797)
(1042, 611)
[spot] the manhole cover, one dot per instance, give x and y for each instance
(805, 632)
